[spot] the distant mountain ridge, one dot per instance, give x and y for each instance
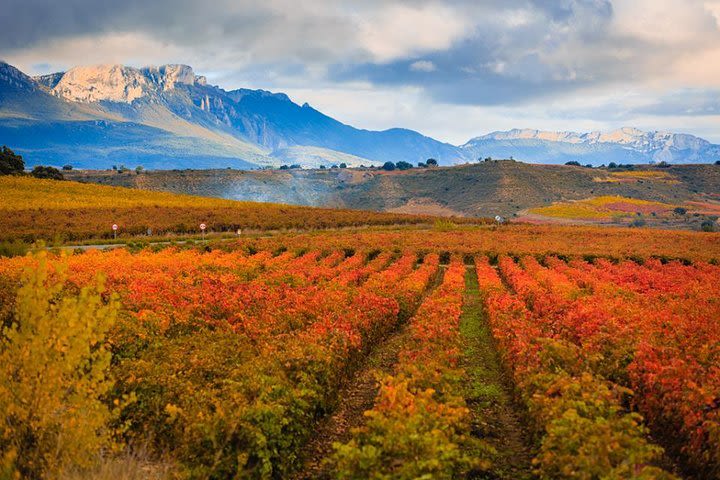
(624, 145)
(168, 117)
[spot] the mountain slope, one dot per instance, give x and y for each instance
(168, 117)
(625, 145)
(171, 118)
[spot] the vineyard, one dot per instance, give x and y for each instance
(34, 209)
(226, 361)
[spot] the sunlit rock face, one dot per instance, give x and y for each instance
(118, 83)
(114, 83)
(167, 76)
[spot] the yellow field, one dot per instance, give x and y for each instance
(33, 209)
(634, 175)
(24, 193)
(601, 208)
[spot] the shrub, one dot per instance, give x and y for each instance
(53, 375)
(389, 166)
(444, 225)
(431, 162)
(50, 173)
(409, 435)
(573, 163)
(15, 248)
(10, 163)
(401, 165)
(708, 226)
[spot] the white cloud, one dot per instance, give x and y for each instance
(423, 66)
(600, 57)
(714, 9)
(397, 31)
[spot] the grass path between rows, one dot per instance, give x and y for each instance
(356, 397)
(496, 418)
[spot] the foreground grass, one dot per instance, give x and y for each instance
(496, 418)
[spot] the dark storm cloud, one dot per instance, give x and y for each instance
(516, 55)
(475, 52)
(221, 24)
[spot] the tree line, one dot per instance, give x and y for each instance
(13, 164)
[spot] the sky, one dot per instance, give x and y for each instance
(451, 69)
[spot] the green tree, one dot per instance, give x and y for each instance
(389, 166)
(54, 364)
(10, 163)
(402, 165)
(431, 162)
(50, 173)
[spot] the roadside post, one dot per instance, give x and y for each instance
(114, 229)
(202, 228)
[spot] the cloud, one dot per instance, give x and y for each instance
(599, 61)
(423, 66)
(684, 103)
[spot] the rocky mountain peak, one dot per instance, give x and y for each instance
(114, 83)
(167, 76)
(14, 78)
(118, 83)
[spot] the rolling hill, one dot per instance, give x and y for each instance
(485, 189)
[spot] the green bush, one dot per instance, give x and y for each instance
(409, 434)
(10, 163)
(16, 248)
(587, 434)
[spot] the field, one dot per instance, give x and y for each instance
(69, 211)
(372, 352)
(605, 208)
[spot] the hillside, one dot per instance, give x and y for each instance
(63, 210)
(478, 190)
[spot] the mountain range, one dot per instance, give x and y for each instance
(168, 117)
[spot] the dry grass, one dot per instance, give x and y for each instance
(129, 466)
(638, 175)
